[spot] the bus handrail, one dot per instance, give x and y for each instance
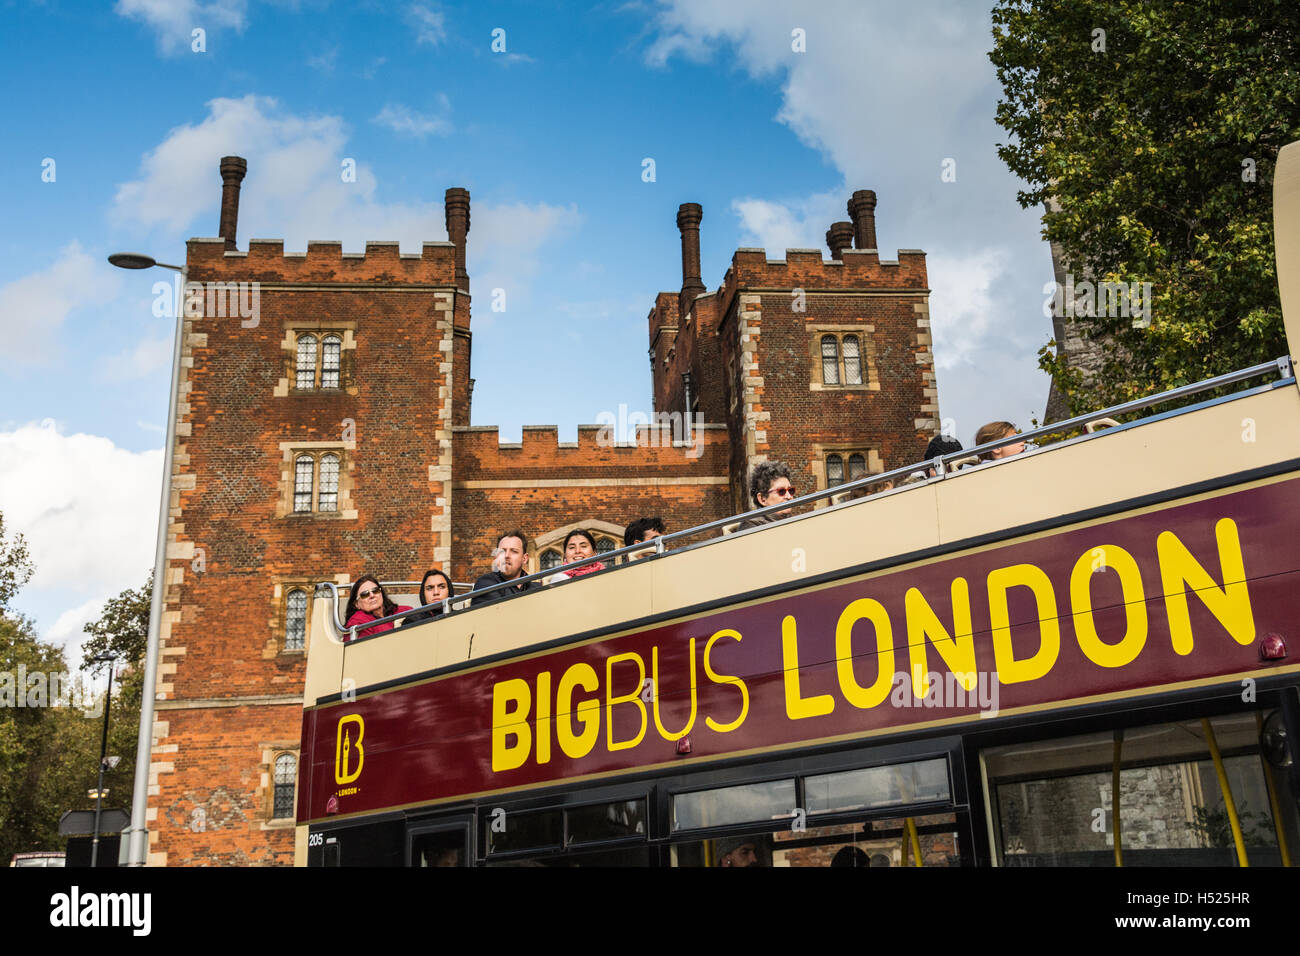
(1281, 366)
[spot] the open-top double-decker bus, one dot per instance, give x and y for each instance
(1078, 655)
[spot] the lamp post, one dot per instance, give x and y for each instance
(109, 658)
(138, 831)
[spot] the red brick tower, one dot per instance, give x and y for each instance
(823, 364)
(314, 441)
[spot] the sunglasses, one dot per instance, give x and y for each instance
(362, 595)
(783, 492)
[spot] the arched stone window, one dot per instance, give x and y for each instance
(295, 620)
(286, 775)
(306, 361)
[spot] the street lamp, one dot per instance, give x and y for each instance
(103, 657)
(138, 832)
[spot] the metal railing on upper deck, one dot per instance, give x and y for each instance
(931, 470)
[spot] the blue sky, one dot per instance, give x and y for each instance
(548, 135)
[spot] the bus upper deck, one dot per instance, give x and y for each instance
(918, 671)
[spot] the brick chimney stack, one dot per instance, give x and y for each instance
(689, 215)
(839, 237)
(862, 210)
(457, 204)
(233, 170)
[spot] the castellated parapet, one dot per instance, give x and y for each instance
(325, 262)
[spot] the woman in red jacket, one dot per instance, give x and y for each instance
(367, 602)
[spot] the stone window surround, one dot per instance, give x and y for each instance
(290, 452)
(866, 353)
(277, 631)
(818, 453)
(289, 344)
(264, 796)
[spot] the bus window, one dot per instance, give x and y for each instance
(440, 848)
(606, 821)
(874, 843)
(1051, 801)
(749, 803)
(877, 787)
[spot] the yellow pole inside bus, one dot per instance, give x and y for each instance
(1278, 828)
(909, 833)
(1114, 798)
(1227, 793)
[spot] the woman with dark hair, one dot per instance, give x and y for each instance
(368, 602)
(578, 544)
(433, 588)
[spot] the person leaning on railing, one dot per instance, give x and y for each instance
(433, 588)
(770, 483)
(578, 544)
(513, 546)
(367, 601)
(642, 529)
(992, 432)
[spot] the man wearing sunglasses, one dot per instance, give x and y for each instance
(770, 483)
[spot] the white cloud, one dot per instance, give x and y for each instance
(33, 308)
(89, 511)
(294, 191)
(795, 224)
(174, 20)
(402, 119)
(963, 310)
(429, 24)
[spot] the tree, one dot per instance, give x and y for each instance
(1151, 131)
(122, 629)
(15, 566)
(50, 721)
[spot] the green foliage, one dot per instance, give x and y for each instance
(49, 755)
(1212, 826)
(1143, 150)
(15, 566)
(122, 628)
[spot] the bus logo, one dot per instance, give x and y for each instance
(351, 729)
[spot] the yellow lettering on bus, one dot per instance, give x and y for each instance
(1010, 670)
(865, 609)
(796, 706)
(923, 626)
(544, 717)
(658, 692)
(577, 745)
(511, 721)
(1230, 604)
(1135, 607)
(725, 679)
(633, 697)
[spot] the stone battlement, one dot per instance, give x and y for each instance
(324, 262)
(479, 453)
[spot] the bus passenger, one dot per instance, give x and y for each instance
(578, 544)
(769, 484)
(939, 445)
(367, 602)
(740, 851)
(514, 553)
(992, 432)
(433, 588)
(642, 529)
